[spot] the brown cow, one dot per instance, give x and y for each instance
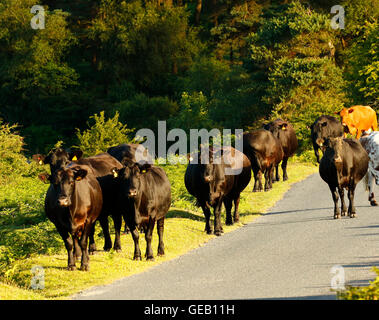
(264, 152)
(285, 132)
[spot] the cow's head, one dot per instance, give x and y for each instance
(277, 127)
(130, 177)
(66, 181)
(213, 174)
(57, 158)
(334, 145)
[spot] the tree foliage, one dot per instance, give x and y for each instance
(237, 63)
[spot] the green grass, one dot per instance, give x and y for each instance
(28, 239)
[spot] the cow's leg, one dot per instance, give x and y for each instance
(268, 174)
(260, 187)
(350, 194)
(207, 214)
(371, 196)
(256, 180)
(284, 168)
(107, 237)
(334, 192)
(228, 208)
(77, 250)
(160, 229)
(343, 204)
(277, 176)
(236, 213)
(84, 245)
(135, 235)
(217, 218)
(69, 244)
(117, 220)
(92, 244)
(148, 238)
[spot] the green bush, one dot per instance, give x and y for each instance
(102, 134)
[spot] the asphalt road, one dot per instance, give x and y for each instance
(288, 253)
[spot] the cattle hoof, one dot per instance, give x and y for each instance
(150, 259)
(373, 203)
(343, 213)
(137, 258)
(352, 215)
(229, 222)
(71, 268)
(209, 231)
(337, 216)
(218, 233)
(84, 268)
(285, 178)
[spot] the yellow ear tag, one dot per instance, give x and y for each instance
(74, 158)
(283, 128)
(115, 174)
(78, 178)
(143, 171)
(40, 162)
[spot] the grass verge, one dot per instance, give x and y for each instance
(184, 231)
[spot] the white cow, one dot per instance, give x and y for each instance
(371, 144)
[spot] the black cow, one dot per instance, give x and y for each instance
(100, 166)
(343, 165)
(73, 203)
(265, 152)
(324, 127)
(144, 195)
(219, 179)
(129, 152)
(285, 132)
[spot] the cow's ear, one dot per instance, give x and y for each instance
(75, 155)
(189, 157)
(80, 174)
(351, 110)
(144, 167)
(44, 177)
(115, 172)
(39, 158)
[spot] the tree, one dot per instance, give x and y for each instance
(294, 51)
(144, 44)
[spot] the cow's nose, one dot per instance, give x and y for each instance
(64, 202)
(132, 193)
(338, 159)
(320, 142)
(208, 179)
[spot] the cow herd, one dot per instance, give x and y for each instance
(85, 190)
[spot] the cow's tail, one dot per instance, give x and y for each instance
(365, 179)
